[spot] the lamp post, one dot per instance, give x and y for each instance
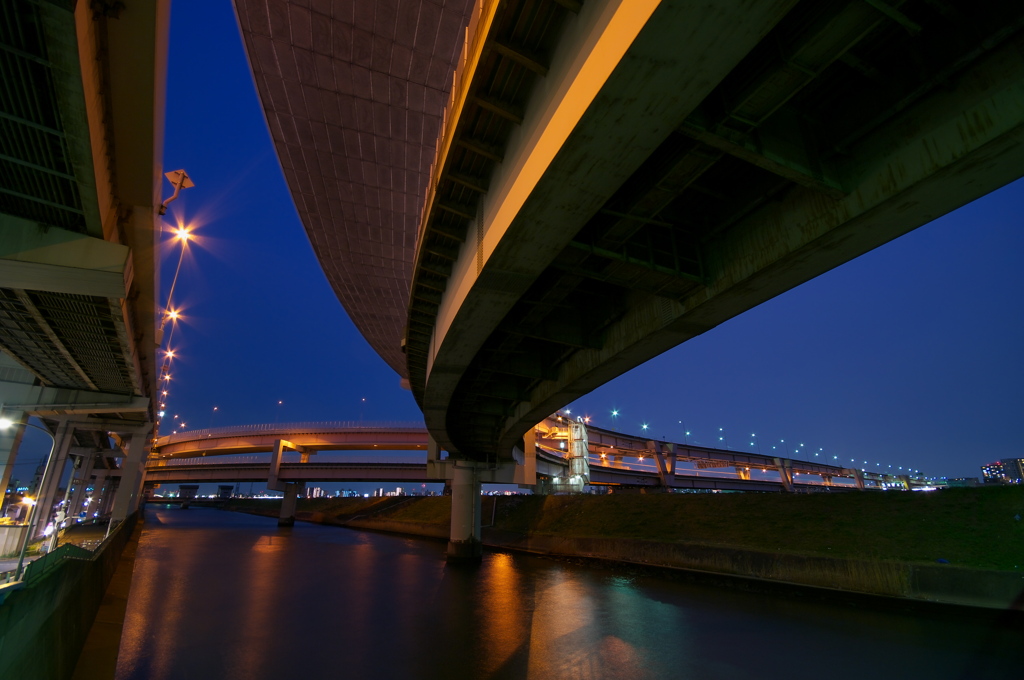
(31, 503)
(756, 442)
(4, 424)
(182, 234)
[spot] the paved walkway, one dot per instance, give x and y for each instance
(87, 536)
(10, 564)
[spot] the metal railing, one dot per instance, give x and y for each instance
(261, 460)
(294, 428)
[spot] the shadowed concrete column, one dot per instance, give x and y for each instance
(291, 496)
(48, 486)
(664, 456)
(126, 500)
(785, 466)
(10, 440)
(100, 489)
(82, 475)
(858, 478)
(109, 492)
(464, 539)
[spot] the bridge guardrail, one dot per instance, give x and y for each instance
(292, 428)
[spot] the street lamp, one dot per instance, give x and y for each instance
(179, 179)
(4, 424)
(31, 503)
(685, 432)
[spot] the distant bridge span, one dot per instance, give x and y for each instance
(206, 470)
(608, 450)
(329, 436)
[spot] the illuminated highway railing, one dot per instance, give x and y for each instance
(648, 465)
(287, 458)
(292, 428)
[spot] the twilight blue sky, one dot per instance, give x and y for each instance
(909, 356)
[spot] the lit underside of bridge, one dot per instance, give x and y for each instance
(81, 137)
(727, 154)
(613, 178)
(610, 459)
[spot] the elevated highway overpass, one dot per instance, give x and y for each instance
(614, 458)
(550, 466)
(672, 164)
(658, 168)
(81, 143)
(304, 437)
(611, 178)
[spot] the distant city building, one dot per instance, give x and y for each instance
(992, 473)
(1005, 471)
(962, 481)
(1013, 470)
(188, 491)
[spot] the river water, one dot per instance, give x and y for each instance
(225, 595)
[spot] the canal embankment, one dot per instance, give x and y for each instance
(46, 620)
(957, 546)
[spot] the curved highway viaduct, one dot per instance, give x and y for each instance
(613, 178)
(656, 168)
(195, 457)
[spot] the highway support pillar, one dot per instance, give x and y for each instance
(785, 467)
(464, 539)
(289, 502)
(126, 500)
(100, 489)
(664, 456)
(858, 478)
(109, 491)
(10, 440)
(46, 494)
(81, 478)
(742, 472)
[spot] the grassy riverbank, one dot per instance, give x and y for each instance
(967, 527)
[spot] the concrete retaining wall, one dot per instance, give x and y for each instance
(924, 582)
(911, 581)
(918, 582)
(44, 624)
(424, 529)
(10, 539)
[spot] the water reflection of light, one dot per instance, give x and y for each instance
(505, 618)
(562, 637)
(261, 571)
(161, 575)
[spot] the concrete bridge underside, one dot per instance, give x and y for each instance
(613, 178)
(81, 143)
(653, 175)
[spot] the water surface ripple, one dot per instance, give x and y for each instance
(224, 595)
